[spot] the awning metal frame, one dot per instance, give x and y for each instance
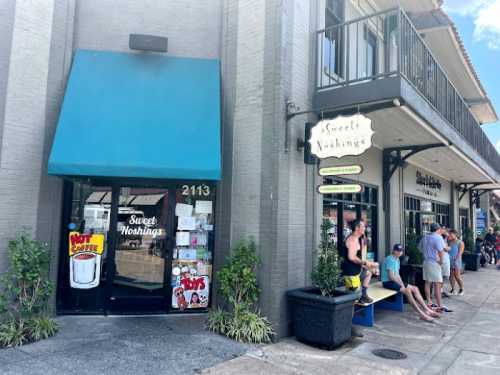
(393, 158)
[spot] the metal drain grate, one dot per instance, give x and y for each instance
(389, 354)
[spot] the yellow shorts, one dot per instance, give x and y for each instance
(352, 283)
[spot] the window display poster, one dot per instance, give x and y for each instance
(203, 207)
(182, 209)
(85, 252)
(198, 239)
(188, 254)
(190, 292)
(186, 223)
(182, 239)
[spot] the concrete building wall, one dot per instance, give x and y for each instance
(193, 27)
(7, 8)
(23, 137)
(411, 187)
(50, 194)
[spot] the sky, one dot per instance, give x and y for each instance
(478, 22)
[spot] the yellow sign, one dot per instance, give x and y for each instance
(85, 243)
(339, 189)
(340, 170)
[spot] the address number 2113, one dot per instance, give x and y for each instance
(200, 190)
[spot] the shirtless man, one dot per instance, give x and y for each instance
(358, 271)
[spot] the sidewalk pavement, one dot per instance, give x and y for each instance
(466, 341)
(91, 345)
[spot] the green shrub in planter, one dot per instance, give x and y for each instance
(326, 275)
(412, 251)
(238, 286)
(322, 314)
(25, 294)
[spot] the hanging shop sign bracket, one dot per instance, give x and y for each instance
(292, 110)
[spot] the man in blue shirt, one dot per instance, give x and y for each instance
(432, 246)
(391, 279)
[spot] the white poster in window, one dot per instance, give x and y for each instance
(186, 223)
(182, 239)
(203, 207)
(182, 209)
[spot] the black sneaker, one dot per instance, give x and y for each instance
(356, 333)
(365, 300)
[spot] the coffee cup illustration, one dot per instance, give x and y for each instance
(84, 268)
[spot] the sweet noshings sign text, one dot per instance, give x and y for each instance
(341, 136)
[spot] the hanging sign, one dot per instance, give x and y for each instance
(340, 170)
(339, 189)
(85, 252)
(341, 136)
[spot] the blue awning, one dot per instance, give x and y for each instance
(139, 116)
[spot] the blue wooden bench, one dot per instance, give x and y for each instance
(382, 299)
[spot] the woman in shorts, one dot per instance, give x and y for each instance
(456, 251)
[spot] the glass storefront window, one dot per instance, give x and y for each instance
(191, 273)
(90, 213)
(341, 209)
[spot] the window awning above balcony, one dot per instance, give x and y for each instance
(139, 116)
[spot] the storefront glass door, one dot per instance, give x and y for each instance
(140, 250)
(135, 249)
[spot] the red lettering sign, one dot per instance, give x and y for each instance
(193, 284)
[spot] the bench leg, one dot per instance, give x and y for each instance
(395, 303)
(364, 317)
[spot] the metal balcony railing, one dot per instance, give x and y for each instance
(386, 44)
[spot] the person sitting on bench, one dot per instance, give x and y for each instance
(358, 271)
(392, 280)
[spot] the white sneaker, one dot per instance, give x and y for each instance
(460, 292)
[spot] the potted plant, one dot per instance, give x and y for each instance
(238, 318)
(411, 270)
(322, 314)
(470, 257)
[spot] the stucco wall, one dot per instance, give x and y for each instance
(6, 25)
(24, 119)
(193, 27)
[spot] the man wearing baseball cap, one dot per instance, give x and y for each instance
(391, 279)
(432, 246)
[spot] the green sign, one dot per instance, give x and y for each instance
(339, 189)
(340, 170)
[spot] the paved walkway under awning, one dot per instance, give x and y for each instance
(466, 341)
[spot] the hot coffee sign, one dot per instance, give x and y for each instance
(85, 252)
(341, 136)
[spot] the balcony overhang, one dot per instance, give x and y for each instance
(413, 122)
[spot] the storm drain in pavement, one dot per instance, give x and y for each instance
(389, 354)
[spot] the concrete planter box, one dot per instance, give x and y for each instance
(472, 261)
(321, 321)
